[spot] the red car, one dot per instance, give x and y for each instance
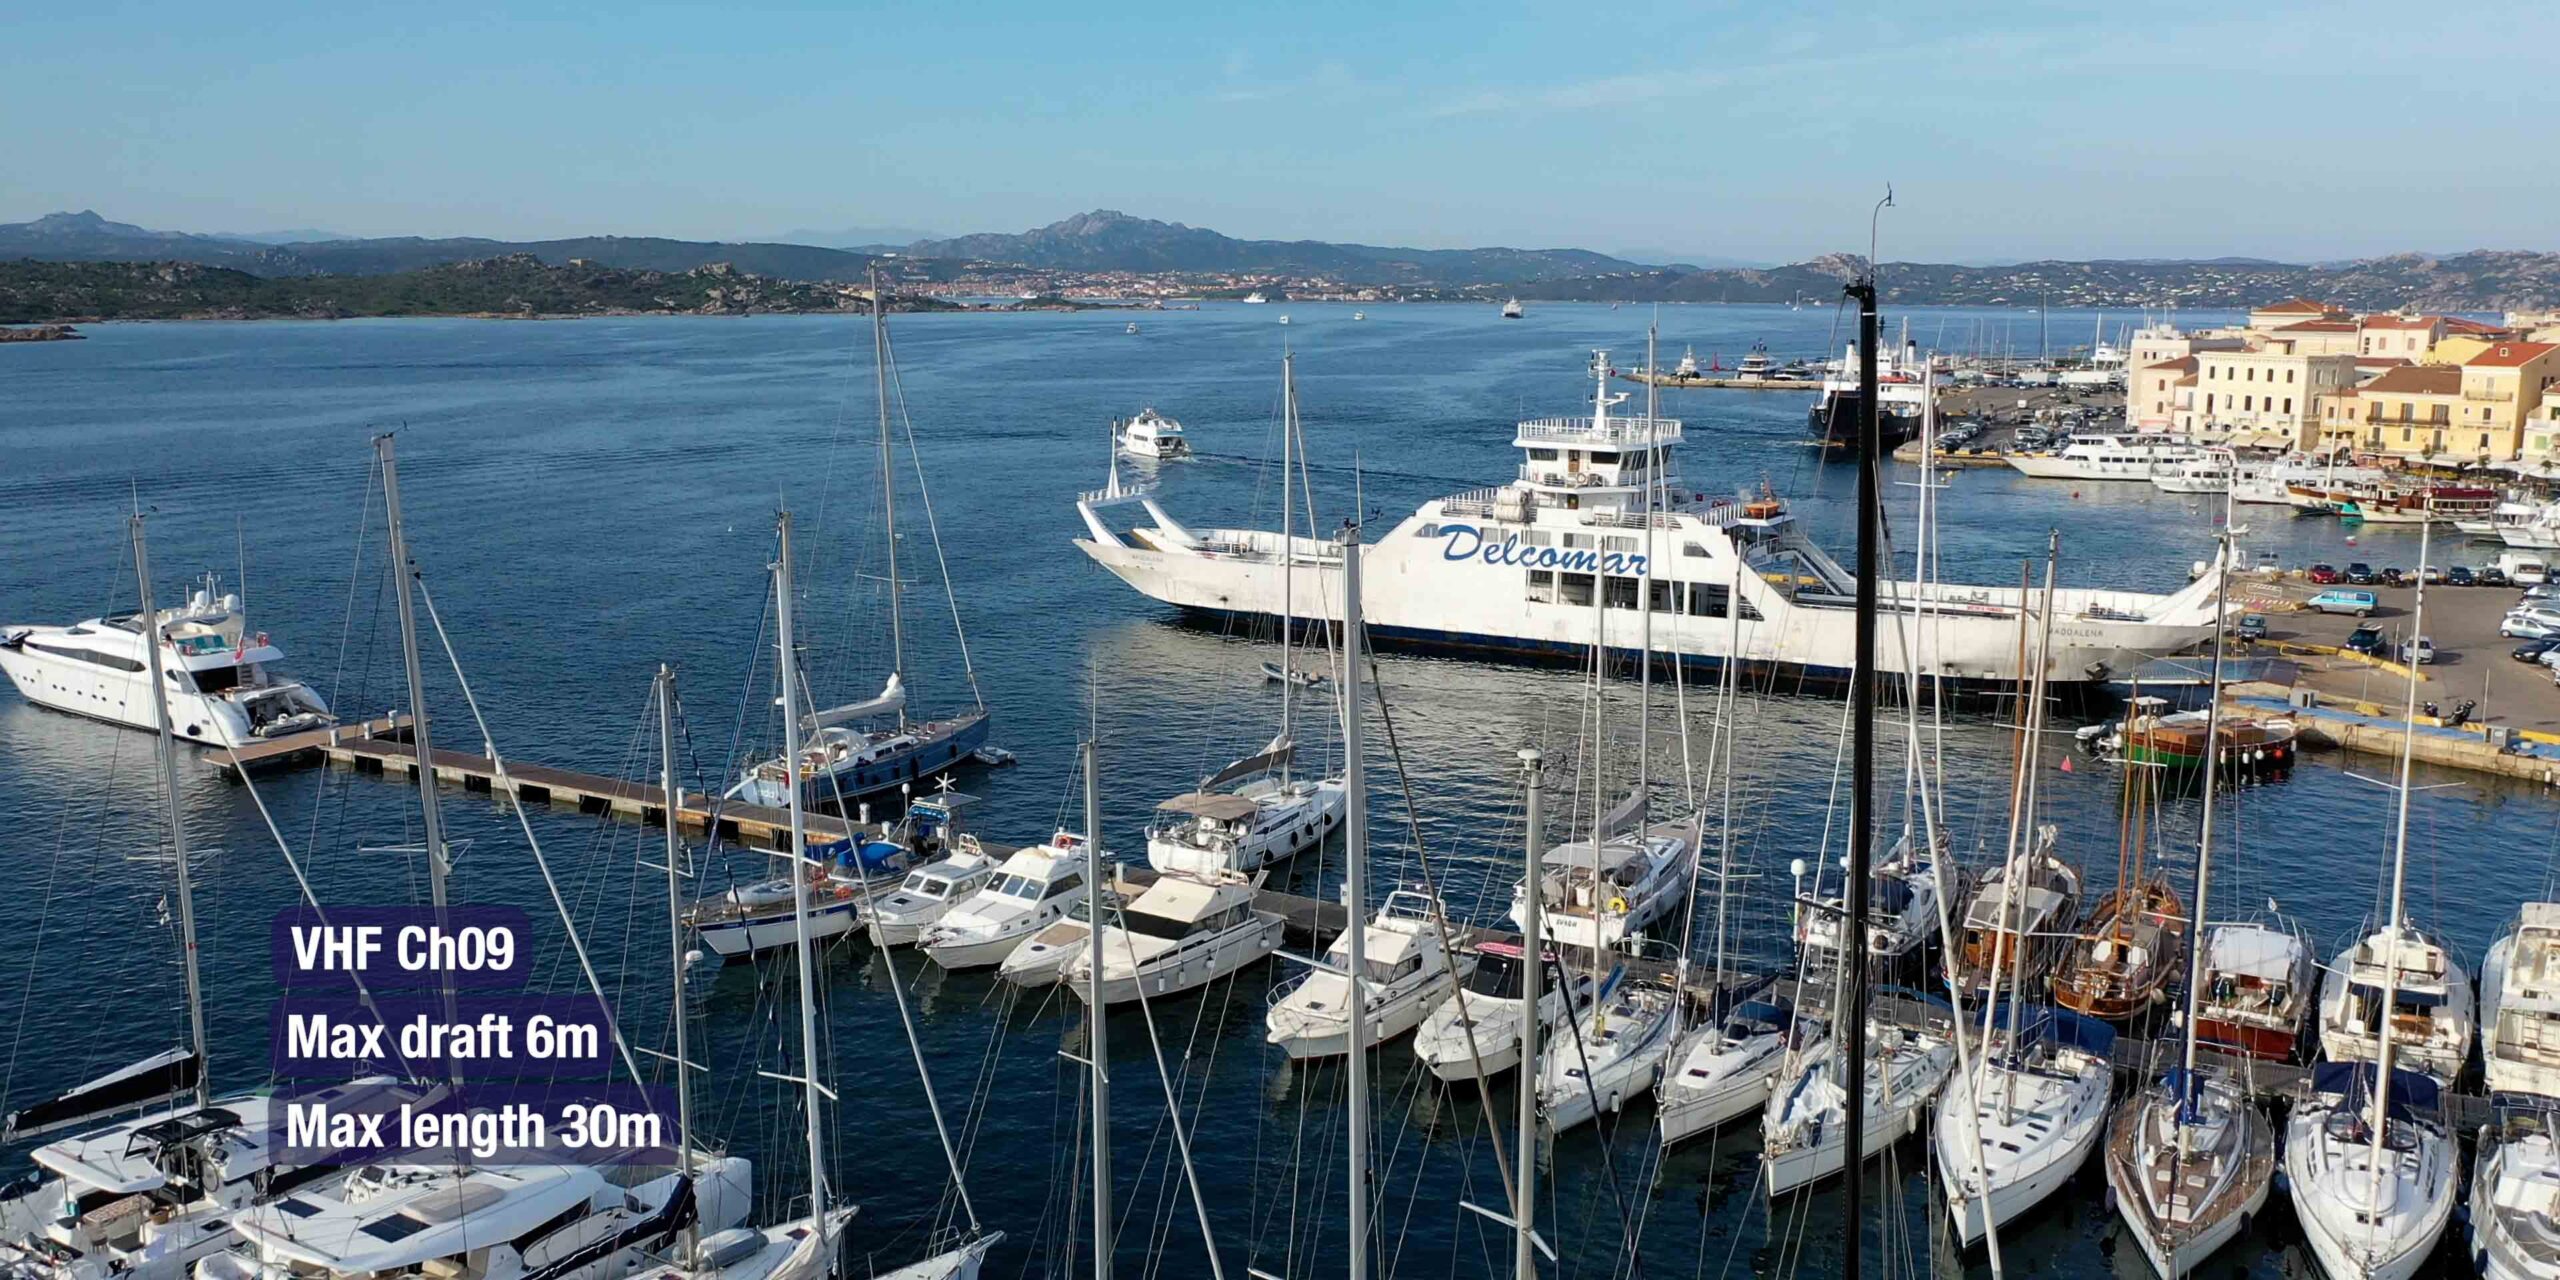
(2324, 574)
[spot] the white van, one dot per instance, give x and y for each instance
(2523, 568)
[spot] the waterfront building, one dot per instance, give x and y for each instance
(2276, 315)
(2324, 337)
(2152, 393)
(2542, 429)
(2406, 336)
(2261, 399)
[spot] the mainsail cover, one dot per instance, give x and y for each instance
(893, 696)
(1626, 817)
(158, 1078)
(1271, 757)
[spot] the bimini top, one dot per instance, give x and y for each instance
(1216, 806)
(1993, 909)
(2252, 951)
(1184, 899)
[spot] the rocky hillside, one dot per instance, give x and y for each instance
(1108, 240)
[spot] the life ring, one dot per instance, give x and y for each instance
(1618, 905)
(844, 891)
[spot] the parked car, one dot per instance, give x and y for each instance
(2544, 591)
(2492, 576)
(2431, 575)
(2418, 651)
(2360, 574)
(2525, 628)
(2551, 659)
(2366, 640)
(2359, 603)
(2461, 576)
(2253, 626)
(2395, 576)
(2532, 650)
(2323, 574)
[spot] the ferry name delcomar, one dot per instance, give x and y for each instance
(1467, 542)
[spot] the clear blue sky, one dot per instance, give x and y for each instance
(2009, 131)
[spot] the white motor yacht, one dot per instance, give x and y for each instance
(484, 1222)
(1042, 958)
(1151, 436)
(2189, 1160)
(1808, 1108)
(1902, 902)
(1724, 1070)
(1181, 932)
(2431, 1009)
(2515, 1196)
(1612, 1054)
(1031, 890)
(1207, 833)
(1476, 1030)
(223, 689)
(929, 893)
(2039, 1113)
(2107, 457)
(1599, 899)
(2520, 1006)
(1408, 972)
(2372, 1211)
(2213, 471)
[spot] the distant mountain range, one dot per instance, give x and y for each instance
(1105, 242)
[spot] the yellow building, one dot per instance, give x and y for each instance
(2259, 398)
(2542, 429)
(2503, 386)
(2319, 338)
(2408, 413)
(2408, 337)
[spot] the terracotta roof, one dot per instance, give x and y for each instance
(2402, 322)
(2508, 355)
(2183, 364)
(2420, 379)
(2456, 324)
(2319, 326)
(2187, 381)
(2291, 306)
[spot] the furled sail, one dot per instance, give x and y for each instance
(1271, 757)
(158, 1078)
(1627, 816)
(893, 696)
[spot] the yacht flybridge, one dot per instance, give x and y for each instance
(1514, 568)
(223, 691)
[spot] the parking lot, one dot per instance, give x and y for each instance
(2472, 660)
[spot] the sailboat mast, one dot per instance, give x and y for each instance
(430, 802)
(2204, 827)
(1644, 582)
(1288, 547)
(1096, 1035)
(674, 800)
(786, 661)
(2399, 863)
(2027, 857)
(1862, 778)
(1524, 1167)
(1355, 871)
(167, 748)
(888, 488)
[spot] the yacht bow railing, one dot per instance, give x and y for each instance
(1628, 431)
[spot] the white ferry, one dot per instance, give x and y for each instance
(2108, 457)
(223, 691)
(1512, 569)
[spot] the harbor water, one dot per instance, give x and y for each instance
(589, 499)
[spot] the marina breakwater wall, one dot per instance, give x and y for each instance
(2481, 748)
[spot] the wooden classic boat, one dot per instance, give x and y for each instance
(2153, 735)
(2258, 992)
(2120, 965)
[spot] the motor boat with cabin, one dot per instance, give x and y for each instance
(1511, 309)
(1041, 959)
(2215, 470)
(2151, 734)
(1516, 569)
(2514, 1214)
(223, 691)
(2108, 456)
(2372, 1171)
(1599, 898)
(2039, 1111)
(1724, 1070)
(1267, 819)
(1151, 436)
(1409, 971)
(2017, 933)
(1902, 397)
(2259, 992)
(2431, 1013)
(1030, 890)
(2189, 1161)
(2430, 504)
(1181, 932)
(2520, 1007)
(1801, 1127)
(1902, 906)
(1610, 1055)
(483, 1221)
(843, 875)
(902, 915)
(1476, 1030)
(1755, 366)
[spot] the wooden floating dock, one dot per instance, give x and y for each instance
(541, 784)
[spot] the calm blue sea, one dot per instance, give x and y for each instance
(589, 499)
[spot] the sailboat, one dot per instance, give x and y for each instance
(1255, 812)
(873, 746)
(1476, 1031)
(2121, 962)
(2190, 1158)
(2368, 1157)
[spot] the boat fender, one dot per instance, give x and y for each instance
(1618, 905)
(2112, 1205)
